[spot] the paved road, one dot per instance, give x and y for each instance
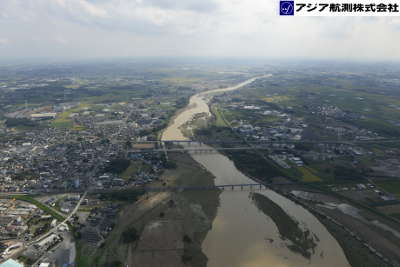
(6, 194)
(38, 239)
(54, 229)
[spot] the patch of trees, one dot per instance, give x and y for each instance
(304, 147)
(171, 203)
(255, 165)
(126, 195)
(2, 247)
(25, 175)
(113, 264)
(187, 239)
(117, 166)
(170, 164)
(129, 235)
(346, 173)
(144, 132)
(151, 133)
(186, 258)
(379, 126)
(216, 133)
(181, 102)
(26, 260)
(17, 122)
(204, 132)
(105, 141)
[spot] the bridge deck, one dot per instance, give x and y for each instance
(188, 149)
(208, 188)
(196, 146)
(277, 141)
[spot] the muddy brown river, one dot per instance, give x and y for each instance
(241, 234)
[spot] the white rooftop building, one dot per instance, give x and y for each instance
(11, 263)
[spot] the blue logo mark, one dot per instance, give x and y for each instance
(286, 8)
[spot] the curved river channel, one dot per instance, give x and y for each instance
(241, 234)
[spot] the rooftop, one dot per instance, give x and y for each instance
(11, 263)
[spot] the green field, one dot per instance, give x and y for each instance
(390, 186)
(133, 168)
(63, 119)
(308, 175)
(219, 119)
(363, 98)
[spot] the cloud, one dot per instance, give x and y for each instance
(61, 40)
(4, 41)
(192, 5)
(138, 16)
(188, 28)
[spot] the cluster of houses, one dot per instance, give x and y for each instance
(266, 124)
(281, 125)
(286, 161)
(54, 159)
(14, 218)
(67, 159)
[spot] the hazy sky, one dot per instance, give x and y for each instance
(119, 28)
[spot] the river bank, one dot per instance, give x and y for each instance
(240, 231)
(185, 216)
(163, 229)
(359, 243)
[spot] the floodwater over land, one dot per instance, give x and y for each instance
(269, 230)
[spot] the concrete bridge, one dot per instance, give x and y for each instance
(283, 141)
(200, 147)
(197, 149)
(226, 187)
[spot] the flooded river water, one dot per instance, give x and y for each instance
(242, 235)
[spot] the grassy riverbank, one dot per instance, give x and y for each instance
(189, 212)
(190, 173)
(356, 254)
(198, 208)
